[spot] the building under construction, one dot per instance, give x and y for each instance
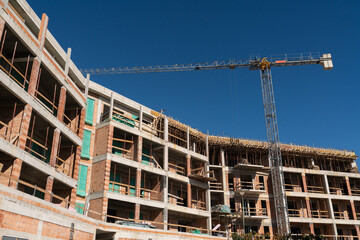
(79, 161)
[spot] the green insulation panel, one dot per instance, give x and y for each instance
(81, 189)
(145, 159)
(79, 208)
(117, 144)
(89, 111)
(85, 150)
(113, 187)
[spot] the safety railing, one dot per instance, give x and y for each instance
(152, 160)
(127, 120)
(355, 191)
(150, 194)
(71, 124)
(246, 186)
(176, 200)
(293, 188)
(63, 166)
(64, 202)
(297, 213)
(201, 173)
(340, 237)
(253, 211)
(123, 151)
(170, 226)
(197, 204)
(43, 149)
(178, 169)
(153, 130)
(319, 213)
(122, 188)
(8, 67)
(45, 102)
(4, 130)
(336, 190)
(315, 189)
(216, 186)
(340, 215)
(177, 140)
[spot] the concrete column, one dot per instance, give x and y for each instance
(166, 218)
(139, 149)
(166, 157)
(54, 147)
(189, 197)
(99, 111)
(137, 212)
(207, 146)
(165, 190)
(87, 82)
(330, 205)
(49, 188)
(348, 185)
(166, 129)
(138, 182)
(188, 165)
(140, 118)
(34, 75)
(62, 103)
(67, 62)
(188, 138)
(111, 105)
(224, 178)
(43, 29)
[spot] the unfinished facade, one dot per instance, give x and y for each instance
(79, 161)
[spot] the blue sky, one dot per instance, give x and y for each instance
(315, 107)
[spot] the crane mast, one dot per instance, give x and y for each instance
(272, 132)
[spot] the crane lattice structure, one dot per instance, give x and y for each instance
(272, 132)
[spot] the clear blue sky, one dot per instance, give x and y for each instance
(315, 107)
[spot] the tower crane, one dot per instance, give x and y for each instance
(264, 65)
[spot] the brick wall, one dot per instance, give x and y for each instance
(18, 222)
(101, 140)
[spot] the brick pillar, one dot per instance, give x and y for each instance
(110, 139)
(49, 188)
(82, 123)
(311, 225)
(54, 147)
(62, 103)
(139, 149)
(34, 75)
(353, 209)
(308, 207)
(188, 165)
(357, 231)
(348, 185)
(138, 182)
(189, 197)
(303, 178)
(2, 26)
(137, 211)
(16, 170)
(107, 174)
(42, 31)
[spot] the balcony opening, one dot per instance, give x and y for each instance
(177, 193)
(122, 179)
(177, 163)
(152, 154)
(72, 114)
(11, 116)
(124, 144)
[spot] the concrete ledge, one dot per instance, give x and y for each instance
(321, 172)
(311, 220)
(20, 93)
(192, 211)
(132, 163)
(16, 152)
(133, 199)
